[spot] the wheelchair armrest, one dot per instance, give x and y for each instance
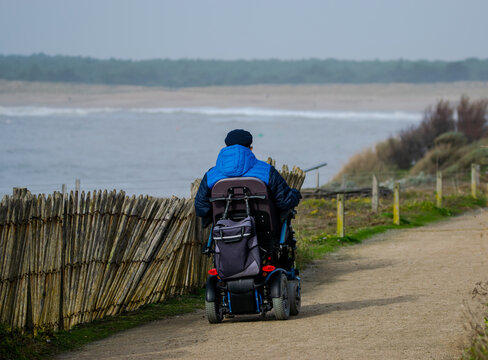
(207, 246)
(206, 221)
(207, 251)
(287, 215)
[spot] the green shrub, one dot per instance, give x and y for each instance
(451, 138)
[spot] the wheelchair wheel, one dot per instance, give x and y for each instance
(294, 297)
(214, 316)
(281, 305)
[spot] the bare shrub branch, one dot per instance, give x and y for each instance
(472, 118)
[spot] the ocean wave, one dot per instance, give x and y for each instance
(36, 111)
(261, 112)
(222, 114)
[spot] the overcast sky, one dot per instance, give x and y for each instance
(247, 29)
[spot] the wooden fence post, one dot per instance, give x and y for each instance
(63, 190)
(475, 179)
(317, 178)
(77, 185)
(396, 204)
(20, 192)
(486, 194)
(340, 215)
(438, 193)
(374, 195)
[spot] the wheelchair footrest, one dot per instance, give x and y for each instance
(241, 294)
(243, 303)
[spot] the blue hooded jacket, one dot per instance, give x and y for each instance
(237, 161)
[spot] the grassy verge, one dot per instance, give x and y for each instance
(15, 345)
(315, 224)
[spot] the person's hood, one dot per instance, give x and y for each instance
(235, 160)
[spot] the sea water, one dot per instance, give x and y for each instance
(160, 151)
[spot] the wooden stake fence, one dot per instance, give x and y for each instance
(73, 258)
(30, 260)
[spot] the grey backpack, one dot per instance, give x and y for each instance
(236, 248)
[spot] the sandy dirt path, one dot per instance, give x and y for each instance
(397, 296)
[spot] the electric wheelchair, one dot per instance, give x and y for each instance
(253, 249)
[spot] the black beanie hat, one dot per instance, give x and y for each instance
(238, 137)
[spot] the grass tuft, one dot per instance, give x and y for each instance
(478, 350)
(16, 345)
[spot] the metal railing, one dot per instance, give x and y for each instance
(317, 167)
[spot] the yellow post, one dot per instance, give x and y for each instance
(475, 179)
(438, 193)
(396, 204)
(340, 215)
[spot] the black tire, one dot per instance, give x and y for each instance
(214, 316)
(294, 297)
(281, 305)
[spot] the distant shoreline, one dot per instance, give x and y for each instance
(337, 97)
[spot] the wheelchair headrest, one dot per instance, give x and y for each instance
(239, 186)
(257, 194)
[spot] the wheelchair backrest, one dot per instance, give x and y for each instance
(261, 207)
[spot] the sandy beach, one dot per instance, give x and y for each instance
(365, 97)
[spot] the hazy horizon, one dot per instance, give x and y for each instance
(446, 30)
(244, 59)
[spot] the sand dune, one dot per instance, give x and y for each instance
(368, 97)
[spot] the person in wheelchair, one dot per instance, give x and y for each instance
(238, 160)
(252, 242)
